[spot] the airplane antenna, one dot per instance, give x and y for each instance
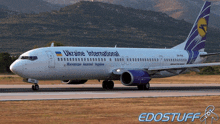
(116, 46)
(52, 44)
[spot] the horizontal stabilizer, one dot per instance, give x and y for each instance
(209, 54)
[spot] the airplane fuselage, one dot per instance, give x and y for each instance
(67, 63)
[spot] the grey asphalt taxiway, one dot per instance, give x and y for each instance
(95, 91)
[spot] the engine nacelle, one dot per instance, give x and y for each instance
(74, 81)
(135, 77)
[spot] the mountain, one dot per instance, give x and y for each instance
(28, 6)
(97, 24)
(178, 9)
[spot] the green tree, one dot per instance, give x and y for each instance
(208, 71)
(5, 62)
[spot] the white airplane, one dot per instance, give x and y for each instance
(132, 66)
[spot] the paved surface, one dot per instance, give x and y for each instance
(95, 91)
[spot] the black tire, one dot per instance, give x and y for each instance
(110, 85)
(33, 87)
(37, 87)
(104, 84)
(144, 87)
(147, 86)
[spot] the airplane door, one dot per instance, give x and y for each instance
(51, 63)
(123, 60)
(127, 62)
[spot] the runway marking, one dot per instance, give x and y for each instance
(58, 92)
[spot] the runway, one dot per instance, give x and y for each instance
(95, 91)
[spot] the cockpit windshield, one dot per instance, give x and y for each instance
(32, 58)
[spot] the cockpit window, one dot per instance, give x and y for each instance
(32, 58)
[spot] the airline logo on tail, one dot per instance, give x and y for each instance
(202, 27)
(197, 37)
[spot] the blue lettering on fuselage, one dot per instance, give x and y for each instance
(74, 64)
(75, 53)
(99, 64)
(105, 53)
(87, 64)
(91, 53)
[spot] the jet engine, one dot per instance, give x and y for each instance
(135, 78)
(74, 81)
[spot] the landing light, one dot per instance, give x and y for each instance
(118, 70)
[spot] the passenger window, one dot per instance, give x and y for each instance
(61, 59)
(95, 59)
(98, 59)
(110, 59)
(64, 59)
(78, 59)
(58, 59)
(81, 59)
(101, 59)
(90, 59)
(75, 59)
(87, 59)
(67, 59)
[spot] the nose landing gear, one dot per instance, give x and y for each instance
(33, 81)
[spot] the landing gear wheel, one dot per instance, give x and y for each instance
(35, 87)
(108, 85)
(104, 84)
(144, 87)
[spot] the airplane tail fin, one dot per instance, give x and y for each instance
(197, 36)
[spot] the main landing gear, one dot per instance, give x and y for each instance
(144, 87)
(35, 87)
(108, 85)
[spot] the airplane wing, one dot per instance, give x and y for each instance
(120, 71)
(176, 67)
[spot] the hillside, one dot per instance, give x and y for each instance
(178, 9)
(96, 24)
(28, 6)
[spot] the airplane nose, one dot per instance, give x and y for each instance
(16, 68)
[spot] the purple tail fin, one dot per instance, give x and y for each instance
(197, 36)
